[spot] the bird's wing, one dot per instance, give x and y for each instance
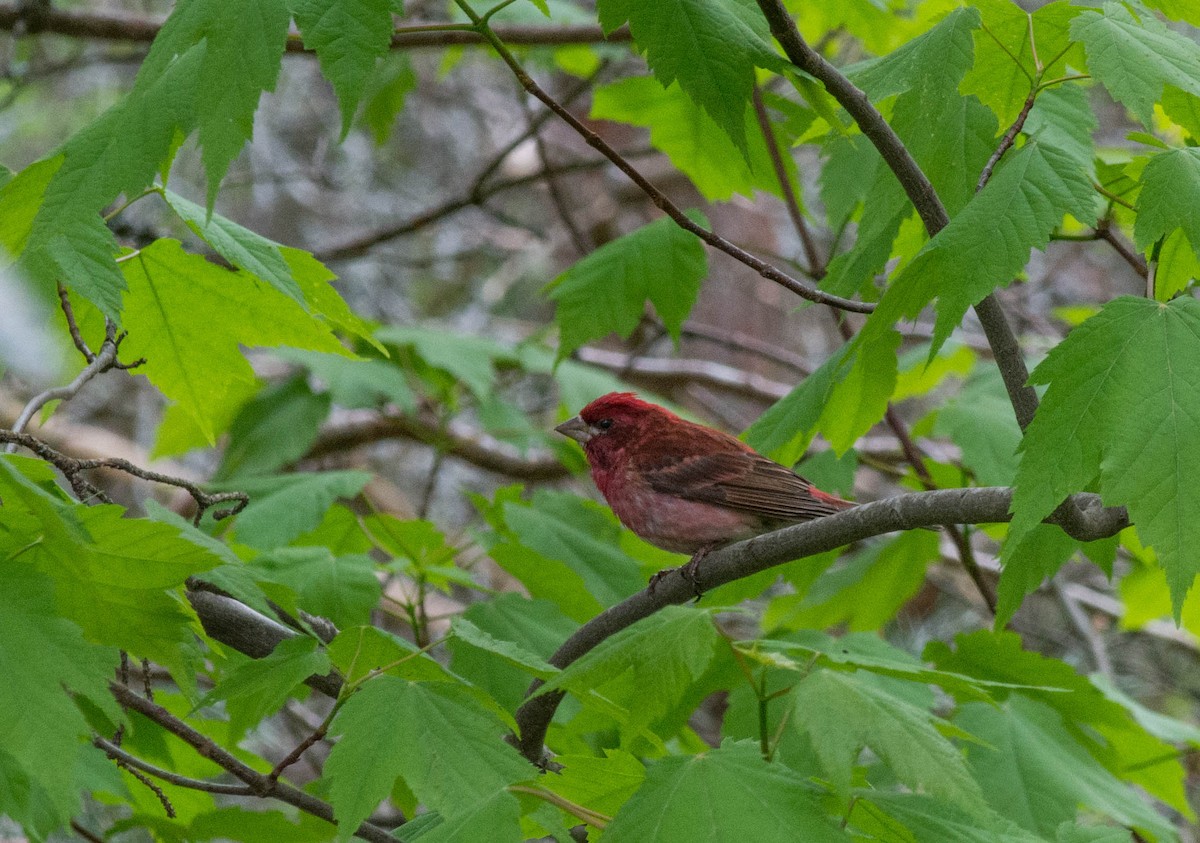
(743, 480)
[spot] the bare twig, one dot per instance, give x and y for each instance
(816, 267)
(660, 199)
(1104, 232)
(259, 784)
(360, 244)
(115, 26)
(73, 469)
(127, 760)
(1083, 625)
(474, 447)
(1006, 142)
(557, 197)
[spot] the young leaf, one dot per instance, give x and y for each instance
(283, 507)
(244, 42)
(341, 588)
(240, 246)
(923, 818)
(349, 36)
(42, 731)
(537, 626)
(187, 317)
(1133, 354)
(690, 138)
(865, 593)
(841, 713)
(467, 633)
(989, 242)
(355, 383)
(274, 428)
(607, 290)
(1134, 57)
(656, 661)
(1169, 197)
(729, 795)
(449, 749)
(1035, 774)
(66, 239)
(258, 687)
(711, 48)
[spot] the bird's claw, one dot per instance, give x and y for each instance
(689, 572)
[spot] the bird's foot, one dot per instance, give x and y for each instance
(688, 571)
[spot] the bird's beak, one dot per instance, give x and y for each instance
(576, 429)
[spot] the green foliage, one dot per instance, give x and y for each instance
(1134, 353)
(607, 290)
(710, 48)
(447, 747)
(766, 801)
(745, 717)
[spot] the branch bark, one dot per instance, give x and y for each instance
(985, 505)
(916, 186)
(118, 26)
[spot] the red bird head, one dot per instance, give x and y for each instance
(612, 423)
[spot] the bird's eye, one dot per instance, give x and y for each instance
(604, 424)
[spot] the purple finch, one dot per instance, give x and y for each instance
(685, 487)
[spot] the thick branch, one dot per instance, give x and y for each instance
(904, 512)
(916, 186)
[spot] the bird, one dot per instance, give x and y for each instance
(684, 487)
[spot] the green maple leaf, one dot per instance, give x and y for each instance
(448, 748)
(188, 317)
(841, 712)
(729, 794)
(1135, 57)
(607, 290)
(710, 47)
(349, 37)
(244, 42)
(1122, 406)
(1169, 197)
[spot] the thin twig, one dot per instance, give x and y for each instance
(124, 758)
(1104, 232)
(816, 267)
(72, 469)
(660, 199)
(259, 784)
(85, 834)
(362, 243)
(1083, 625)
(1006, 142)
(578, 239)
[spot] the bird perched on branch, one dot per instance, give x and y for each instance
(685, 487)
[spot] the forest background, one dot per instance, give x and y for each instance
(296, 290)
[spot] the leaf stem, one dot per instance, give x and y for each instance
(592, 818)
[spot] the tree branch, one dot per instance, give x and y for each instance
(986, 505)
(477, 449)
(73, 469)
(916, 186)
(660, 199)
(259, 784)
(117, 26)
